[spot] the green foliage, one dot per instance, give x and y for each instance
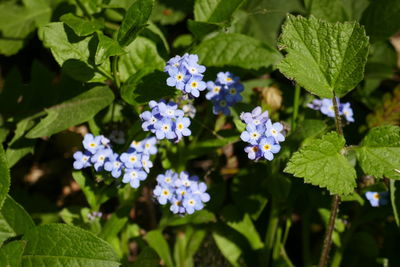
(72, 112)
(236, 50)
(11, 253)
(106, 48)
(379, 153)
(56, 244)
(323, 57)
(4, 176)
(321, 163)
(329, 10)
(215, 11)
(73, 53)
(141, 55)
(134, 21)
(159, 244)
(14, 220)
(81, 26)
(381, 19)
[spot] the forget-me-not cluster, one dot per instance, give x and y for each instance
(133, 165)
(262, 135)
(185, 74)
(185, 193)
(166, 121)
(377, 199)
(325, 105)
(224, 92)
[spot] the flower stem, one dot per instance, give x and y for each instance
(114, 64)
(297, 90)
(335, 201)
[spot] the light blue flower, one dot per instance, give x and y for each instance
(274, 130)
(194, 86)
(149, 146)
(100, 158)
(91, 143)
(165, 129)
(191, 203)
(146, 163)
(253, 152)
(181, 127)
(169, 110)
(269, 147)
(178, 77)
(347, 111)
(226, 78)
(131, 160)
(200, 190)
(133, 177)
(256, 116)
(251, 135)
(176, 206)
(114, 165)
(163, 194)
(168, 178)
(327, 107)
(377, 199)
(213, 90)
(82, 160)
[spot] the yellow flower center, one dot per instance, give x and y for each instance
(377, 196)
(232, 91)
(180, 126)
(194, 84)
(267, 147)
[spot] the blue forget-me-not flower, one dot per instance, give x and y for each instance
(326, 107)
(377, 199)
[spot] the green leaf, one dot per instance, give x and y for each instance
(395, 200)
(200, 29)
(242, 223)
(106, 48)
(88, 188)
(329, 10)
(72, 112)
(11, 253)
(4, 176)
(381, 19)
(157, 241)
(215, 10)
(199, 217)
(14, 220)
(141, 54)
(323, 57)
(141, 87)
(75, 54)
(379, 153)
(115, 224)
(65, 245)
(17, 22)
(20, 146)
(81, 26)
(134, 21)
(321, 163)
(236, 50)
(147, 258)
(228, 248)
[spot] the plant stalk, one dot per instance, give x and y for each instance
(335, 201)
(271, 232)
(114, 66)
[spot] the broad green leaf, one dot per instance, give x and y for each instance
(152, 32)
(142, 87)
(395, 199)
(115, 224)
(11, 254)
(14, 220)
(147, 258)
(242, 223)
(323, 57)
(321, 163)
(40, 9)
(236, 50)
(72, 112)
(329, 10)
(81, 26)
(65, 245)
(4, 176)
(215, 10)
(75, 54)
(171, 12)
(134, 21)
(262, 19)
(141, 54)
(157, 241)
(17, 22)
(20, 146)
(379, 153)
(106, 48)
(200, 28)
(381, 19)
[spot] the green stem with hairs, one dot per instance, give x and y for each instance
(335, 201)
(296, 101)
